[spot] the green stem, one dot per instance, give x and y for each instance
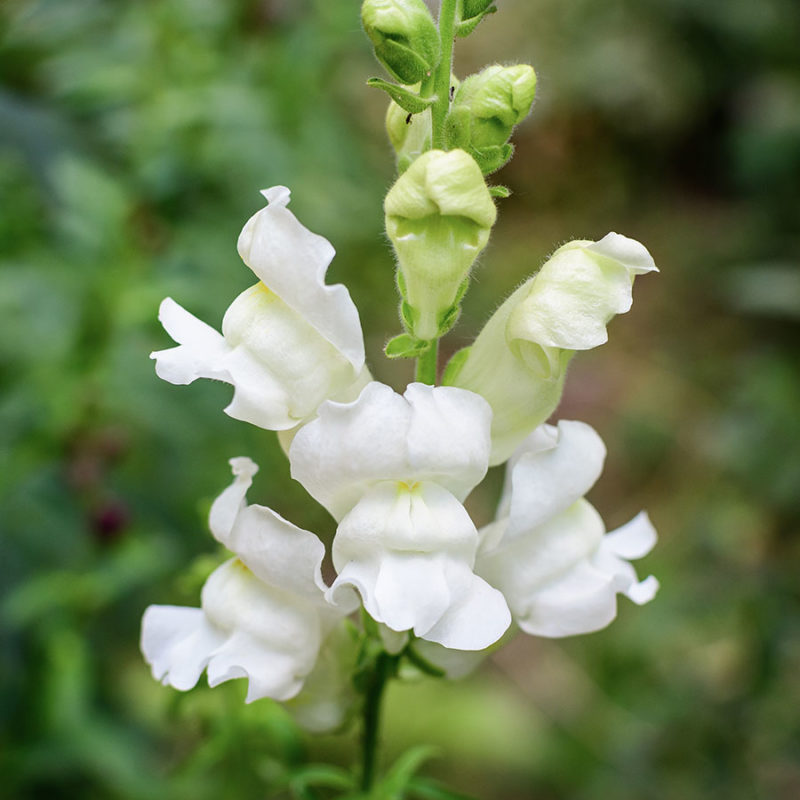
(447, 32)
(372, 713)
(427, 364)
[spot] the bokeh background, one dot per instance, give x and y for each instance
(134, 137)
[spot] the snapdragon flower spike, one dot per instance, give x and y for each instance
(394, 470)
(548, 551)
(288, 342)
(264, 615)
(519, 360)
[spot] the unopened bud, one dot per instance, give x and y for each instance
(404, 36)
(485, 110)
(439, 215)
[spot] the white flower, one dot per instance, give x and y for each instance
(393, 470)
(264, 615)
(288, 342)
(548, 552)
(519, 360)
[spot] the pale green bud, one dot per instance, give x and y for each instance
(485, 110)
(519, 360)
(404, 36)
(409, 134)
(439, 215)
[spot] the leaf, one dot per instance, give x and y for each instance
(402, 771)
(500, 191)
(321, 775)
(407, 100)
(405, 346)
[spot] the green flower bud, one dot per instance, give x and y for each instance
(404, 36)
(409, 134)
(519, 360)
(438, 215)
(485, 110)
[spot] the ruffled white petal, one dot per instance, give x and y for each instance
(288, 343)
(177, 643)
(548, 552)
(409, 552)
(245, 629)
(429, 434)
(545, 480)
(292, 262)
(278, 553)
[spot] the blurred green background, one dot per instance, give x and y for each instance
(134, 137)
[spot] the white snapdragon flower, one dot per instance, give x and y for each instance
(264, 615)
(393, 470)
(548, 551)
(288, 342)
(519, 360)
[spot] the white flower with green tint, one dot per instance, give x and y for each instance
(288, 342)
(548, 551)
(393, 471)
(519, 360)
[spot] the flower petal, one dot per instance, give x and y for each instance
(438, 434)
(201, 351)
(292, 262)
(477, 617)
(543, 482)
(634, 539)
(178, 642)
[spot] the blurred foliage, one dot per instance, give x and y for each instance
(134, 137)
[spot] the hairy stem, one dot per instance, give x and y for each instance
(447, 20)
(427, 364)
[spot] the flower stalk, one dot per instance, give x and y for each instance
(447, 22)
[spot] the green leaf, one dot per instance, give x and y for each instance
(405, 346)
(403, 770)
(407, 100)
(321, 775)
(500, 191)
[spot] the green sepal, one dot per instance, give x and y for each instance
(408, 316)
(457, 128)
(466, 27)
(407, 100)
(474, 8)
(454, 366)
(401, 62)
(491, 158)
(405, 346)
(500, 191)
